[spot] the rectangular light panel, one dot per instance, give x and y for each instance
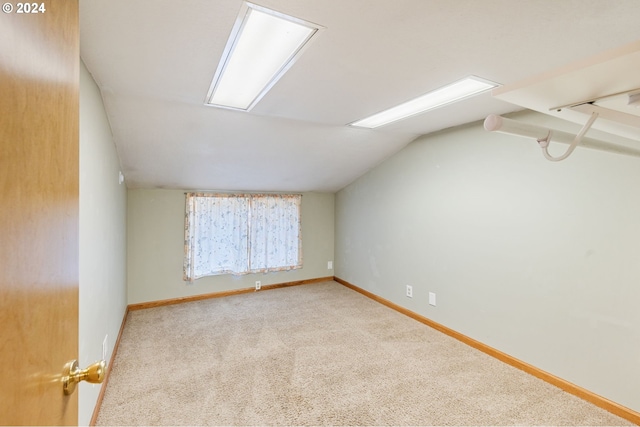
(261, 48)
(445, 95)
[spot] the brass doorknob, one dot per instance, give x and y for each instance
(72, 375)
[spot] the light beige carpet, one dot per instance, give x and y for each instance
(317, 354)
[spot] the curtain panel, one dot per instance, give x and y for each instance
(240, 234)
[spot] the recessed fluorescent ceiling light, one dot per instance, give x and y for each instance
(261, 48)
(445, 95)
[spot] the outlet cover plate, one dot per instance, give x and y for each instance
(105, 344)
(432, 298)
(410, 291)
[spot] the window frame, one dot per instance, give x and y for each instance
(190, 266)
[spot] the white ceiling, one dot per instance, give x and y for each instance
(599, 84)
(154, 61)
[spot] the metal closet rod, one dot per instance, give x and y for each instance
(495, 123)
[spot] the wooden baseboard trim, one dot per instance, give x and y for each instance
(602, 402)
(103, 386)
(160, 303)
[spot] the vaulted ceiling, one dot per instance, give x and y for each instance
(154, 60)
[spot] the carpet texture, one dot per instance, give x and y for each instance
(317, 354)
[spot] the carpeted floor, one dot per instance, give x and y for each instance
(317, 354)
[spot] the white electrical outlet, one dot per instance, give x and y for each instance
(432, 298)
(330, 265)
(258, 285)
(105, 346)
(410, 291)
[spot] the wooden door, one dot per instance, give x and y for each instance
(39, 84)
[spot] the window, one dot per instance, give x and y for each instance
(239, 234)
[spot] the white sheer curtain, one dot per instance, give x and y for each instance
(241, 234)
(217, 236)
(275, 233)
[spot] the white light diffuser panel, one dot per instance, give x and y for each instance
(262, 47)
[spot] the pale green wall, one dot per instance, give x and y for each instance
(102, 231)
(538, 259)
(156, 247)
